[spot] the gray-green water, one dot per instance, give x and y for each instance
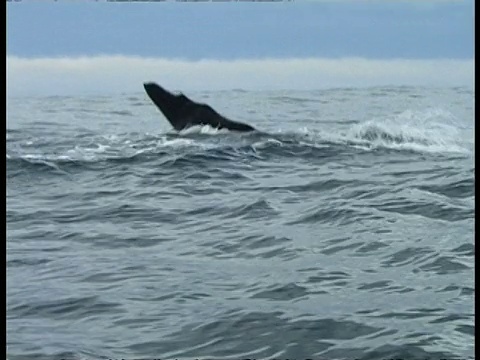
(343, 230)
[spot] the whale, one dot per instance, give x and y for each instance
(182, 112)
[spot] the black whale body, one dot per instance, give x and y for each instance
(182, 112)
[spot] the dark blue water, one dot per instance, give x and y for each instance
(343, 230)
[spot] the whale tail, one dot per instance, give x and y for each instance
(182, 112)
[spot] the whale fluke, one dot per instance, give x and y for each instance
(182, 112)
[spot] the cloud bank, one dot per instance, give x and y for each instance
(125, 74)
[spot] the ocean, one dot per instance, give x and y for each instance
(342, 229)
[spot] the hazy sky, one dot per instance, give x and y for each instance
(59, 45)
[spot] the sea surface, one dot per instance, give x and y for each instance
(342, 229)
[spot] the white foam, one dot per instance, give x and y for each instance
(265, 143)
(33, 157)
(176, 143)
(100, 148)
(203, 129)
(431, 130)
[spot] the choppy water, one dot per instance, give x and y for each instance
(343, 230)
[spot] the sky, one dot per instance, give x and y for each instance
(97, 46)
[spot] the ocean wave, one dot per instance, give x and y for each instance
(396, 134)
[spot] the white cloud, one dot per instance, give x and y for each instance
(115, 74)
